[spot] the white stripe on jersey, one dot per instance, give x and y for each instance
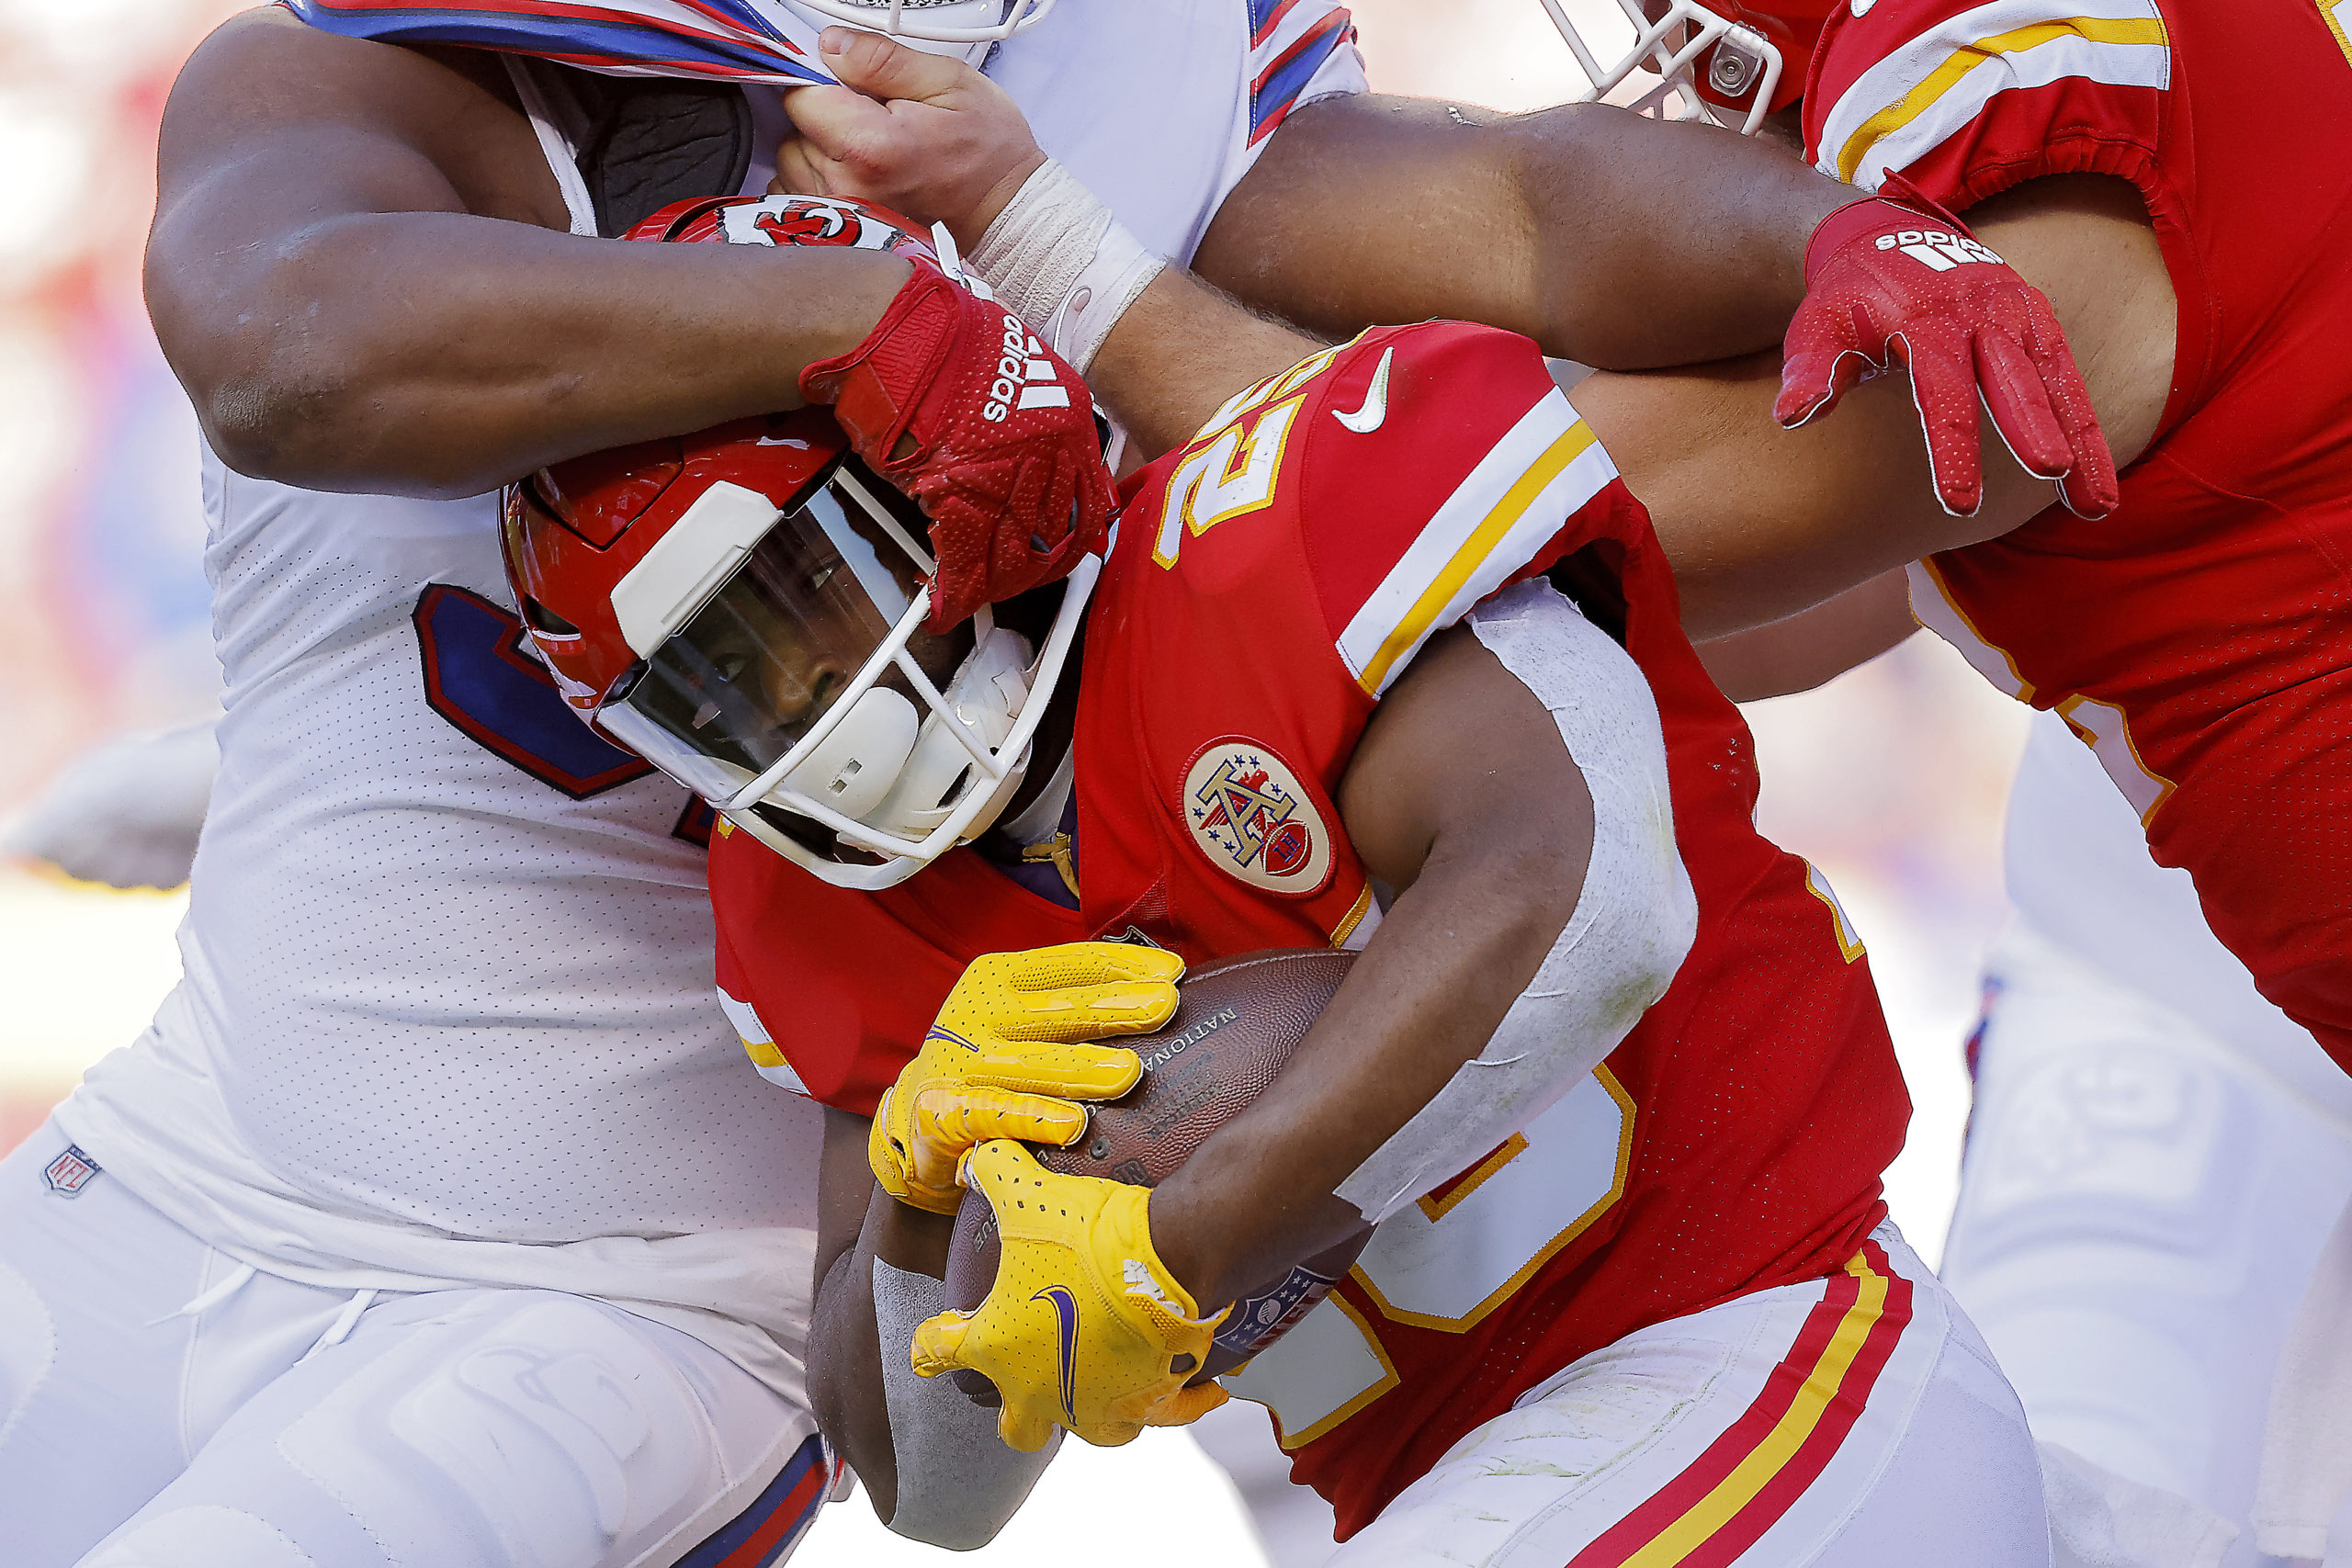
(1533, 481)
(1932, 607)
(1908, 103)
(759, 1045)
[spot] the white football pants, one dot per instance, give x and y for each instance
(2140, 1210)
(1857, 1422)
(161, 1406)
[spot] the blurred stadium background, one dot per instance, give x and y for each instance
(1892, 779)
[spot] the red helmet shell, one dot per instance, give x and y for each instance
(574, 529)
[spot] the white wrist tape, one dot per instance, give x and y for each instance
(1635, 920)
(1059, 261)
(957, 1481)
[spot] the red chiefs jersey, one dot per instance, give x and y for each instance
(1268, 582)
(2200, 638)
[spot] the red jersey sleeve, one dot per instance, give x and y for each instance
(1969, 100)
(1442, 464)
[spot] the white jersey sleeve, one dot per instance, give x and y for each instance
(1160, 110)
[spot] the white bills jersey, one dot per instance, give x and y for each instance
(448, 1015)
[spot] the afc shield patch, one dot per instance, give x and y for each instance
(1248, 812)
(70, 1172)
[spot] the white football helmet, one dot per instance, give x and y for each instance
(1714, 60)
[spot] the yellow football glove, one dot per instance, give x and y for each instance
(1009, 1055)
(1084, 1327)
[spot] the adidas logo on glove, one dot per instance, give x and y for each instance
(1937, 249)
(1024, 378)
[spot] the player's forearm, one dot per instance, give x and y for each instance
(1815, 646)
(442, 355)
(1609, 238)
(1663, 243)
(844, 1375)
(1179, 352)
(1436, 979)
(1463, 796)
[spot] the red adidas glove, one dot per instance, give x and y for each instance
(1902, 282)
(1006, 462)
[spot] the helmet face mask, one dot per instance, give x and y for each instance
(1712, 59)
(967, 28)
(772, 658)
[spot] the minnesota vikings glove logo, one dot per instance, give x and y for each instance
(1065, 1307)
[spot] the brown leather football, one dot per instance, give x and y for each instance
(1236, 1022)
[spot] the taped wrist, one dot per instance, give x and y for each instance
(1635, 920)
(957, 1483)
(1059, 260)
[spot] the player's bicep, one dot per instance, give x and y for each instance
(1462, 761)
(274, 129)
(1370, 209)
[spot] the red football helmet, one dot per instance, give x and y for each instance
(743, 608)
(1714, 60)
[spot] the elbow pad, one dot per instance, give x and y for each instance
(1634, 919)
(957, 1483)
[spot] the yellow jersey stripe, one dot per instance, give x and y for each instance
(1497, 524)
(1893, 117)
(1751, 1476)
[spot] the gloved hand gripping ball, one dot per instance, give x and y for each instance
(1085, 1328)
(1009, 1055)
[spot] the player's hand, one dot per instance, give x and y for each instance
(1084, 1327)
(923, 133)
(1901, 282)
(1010, 1054)
(952, 400)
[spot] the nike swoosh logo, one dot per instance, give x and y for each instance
(1374, 413)
(1065, 1324)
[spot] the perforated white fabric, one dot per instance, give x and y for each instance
(432, 1002)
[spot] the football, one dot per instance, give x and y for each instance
(1236, 1024)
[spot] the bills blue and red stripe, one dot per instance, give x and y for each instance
(1289, 41)
(765, 1533)
(733, 41)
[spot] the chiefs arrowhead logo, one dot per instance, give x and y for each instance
(1249, 815)
(814, 220)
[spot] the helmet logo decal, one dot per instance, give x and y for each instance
(807, 220)
(1248, 812)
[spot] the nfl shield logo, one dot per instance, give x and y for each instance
(70, 1172)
